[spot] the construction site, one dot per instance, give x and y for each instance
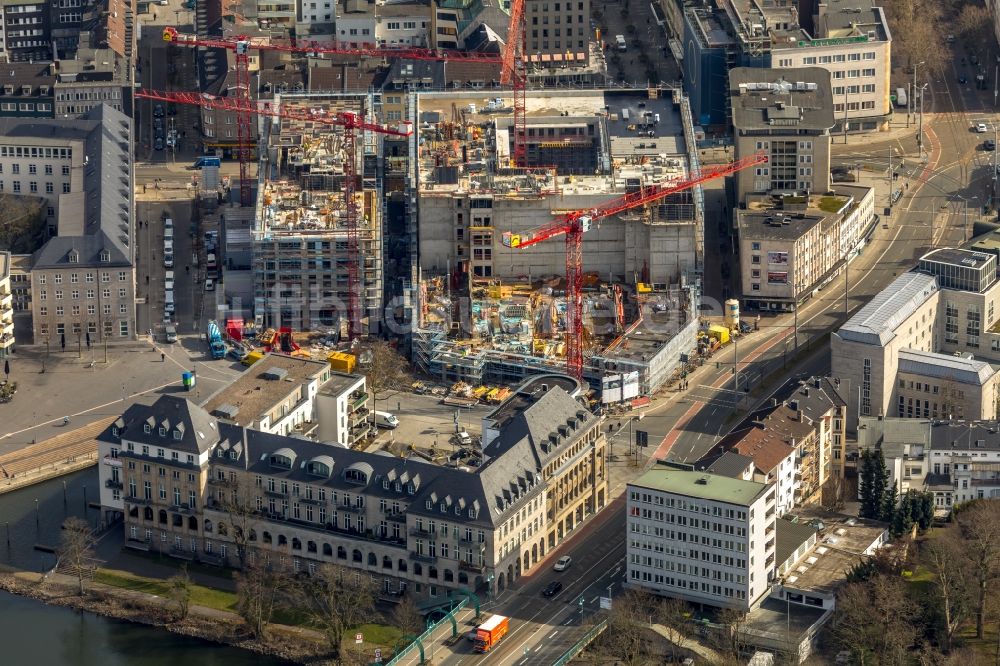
(302, 233)
(495, 300)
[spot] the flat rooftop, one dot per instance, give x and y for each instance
(710, 28)
(700, 485)
(253, 394)
(958, 257)
(841, 543)
(763, 98)
(338, 383)
(765, 218)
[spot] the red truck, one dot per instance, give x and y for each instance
(490, 632)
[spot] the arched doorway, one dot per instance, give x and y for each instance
(527, 562)
(500, 583)
(534, 554)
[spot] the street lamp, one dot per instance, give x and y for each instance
(911, 106)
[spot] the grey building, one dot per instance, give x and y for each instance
(786, 113)
(83, 278)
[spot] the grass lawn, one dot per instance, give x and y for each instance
(200, 595)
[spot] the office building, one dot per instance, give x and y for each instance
(6, 307)
(702, 537)
(935, 328)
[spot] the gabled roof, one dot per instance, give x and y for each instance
(765, 448)
(730, 464)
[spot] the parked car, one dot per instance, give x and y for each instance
(962, 79)
(158, 144)
(989, 144)
(981, 128)
(158, 111)
(552, 589)
(563, 563)
(209, 284)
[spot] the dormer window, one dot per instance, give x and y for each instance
(146, 429)
(43, 90)
(385, 484)
(318, 469)
(73, 257)
(398, 487)
(355, 475)
(458, 510)
(114, 431)
(25, 90)
(219, 453)
(105, 257)
(410, 489)
(232, 455)
(163, 432)
(177, 434)
(281, 461)
(429, 505)
(444, 507)
(472, 513)
(8, 90)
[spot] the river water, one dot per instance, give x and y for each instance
(35, 634)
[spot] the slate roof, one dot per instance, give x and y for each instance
(107, 185)
(173, 414)
(730, 463)
(876, 322)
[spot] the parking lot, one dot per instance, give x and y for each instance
(424, 419)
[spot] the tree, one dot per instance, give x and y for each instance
(336, 599)
(974, 27)
(625, 639)
(179, 591)
(916, 35)
(406, 616)
(873, 620)
(237, 501)
(385, 369)
(735, 640)
(257, 587)
(942, 555)
(889, 496)
(22, 223)
(674, 615)
(980, 528)
(902, 517)
(76, 553)
(873, 481)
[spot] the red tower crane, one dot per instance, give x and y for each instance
(574, 225)
(350, 122)
(514, 73)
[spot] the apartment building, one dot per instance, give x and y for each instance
(172, 471)
(761, 455)
(95, 76)
(789, 246)
(27, 90)
(558, 32)
(26, 31)
(344, 411)
(934, 326)
(277, 395)
(701, 537)
(82, 279)
(957, 461)
(404, 24)
(6, 307)
(356, 20)
(786, 114)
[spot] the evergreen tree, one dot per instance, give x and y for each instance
(902, 519)
(873, 482)
(890, 498)
(926, 503)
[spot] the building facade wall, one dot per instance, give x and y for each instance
(797, 162)
(81, 300)
(556, 29)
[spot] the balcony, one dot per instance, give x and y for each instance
(310, 500)
(358, 400)
(420, 557)
(396, 517)
(417, 532)
(275, 493)
(114, 484)
(469, 566)
(222, 483)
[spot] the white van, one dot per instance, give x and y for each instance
(901, 97)
(168, 223)
(171, 333)
(168, 280)
(620, 42)
(168, 234)
(386, 420)
(168, 303)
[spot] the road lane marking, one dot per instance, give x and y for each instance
(553, 633)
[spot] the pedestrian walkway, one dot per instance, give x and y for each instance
(687, 644)
(66, 452)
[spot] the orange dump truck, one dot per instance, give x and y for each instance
(490, 632)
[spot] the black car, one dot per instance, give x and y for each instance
(962, 79)
(989, 144)
(552, 589)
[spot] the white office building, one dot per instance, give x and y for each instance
(701, 537)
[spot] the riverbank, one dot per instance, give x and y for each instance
(291, 644)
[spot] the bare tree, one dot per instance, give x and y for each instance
(980, 527)
(22, 223)
(974, 27)
(76, 553)
(916, 37)
(385, 368)
(674, 615)
(406, 616)
(237, 500)
(626, 638)
(873, 620)
(179, 590)
(942, 554)
(257, 588)
(336, 599)
(735, 640)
